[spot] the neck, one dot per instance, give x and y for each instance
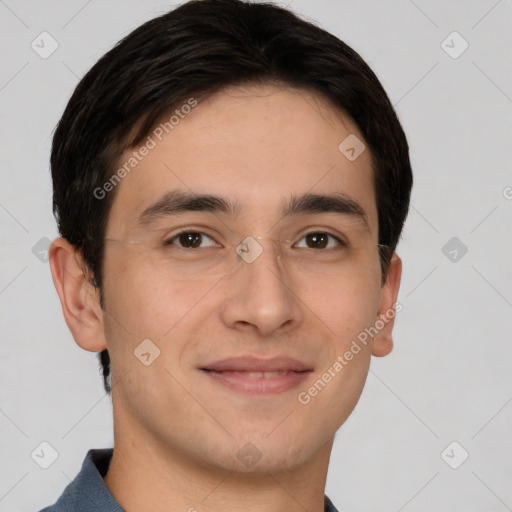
(146, 476)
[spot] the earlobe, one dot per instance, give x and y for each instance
(78, 298)
(383, 340)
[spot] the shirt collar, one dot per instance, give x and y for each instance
(88, 492)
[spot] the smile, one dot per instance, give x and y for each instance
(258, 383)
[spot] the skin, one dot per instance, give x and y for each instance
(176, 433)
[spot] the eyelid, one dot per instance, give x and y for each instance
(168, 239)
(339, 240)
(308, 231)
(339, 237)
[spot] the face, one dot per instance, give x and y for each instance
(256, 147)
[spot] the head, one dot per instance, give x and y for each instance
(261, 101)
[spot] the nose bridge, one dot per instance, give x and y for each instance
(253, 248)
(260, 294)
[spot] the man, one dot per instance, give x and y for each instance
(230, 184)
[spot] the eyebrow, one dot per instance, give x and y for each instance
(177, 201)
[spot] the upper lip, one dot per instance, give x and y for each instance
(256, 364)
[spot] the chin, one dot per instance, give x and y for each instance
(273, 456)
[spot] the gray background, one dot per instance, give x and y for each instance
(448, 377)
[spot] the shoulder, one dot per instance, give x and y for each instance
(87, 492)
(329, 507)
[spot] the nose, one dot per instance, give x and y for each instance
(261, 296)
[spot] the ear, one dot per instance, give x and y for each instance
(78, 297)
(383, 340)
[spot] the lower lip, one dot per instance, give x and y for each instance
(239, 381)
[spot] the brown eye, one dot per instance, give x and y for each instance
(188, 239)
(320, 240)
(317, 240)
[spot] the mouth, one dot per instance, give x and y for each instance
(254, 375)
(255, 364)
(258, 383)
(258, 376)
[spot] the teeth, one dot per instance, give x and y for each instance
(258, 375)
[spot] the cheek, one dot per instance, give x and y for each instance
(349, 311)
(347, 305)
(146, 302)
(350, 317)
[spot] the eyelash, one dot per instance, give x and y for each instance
(190, 231)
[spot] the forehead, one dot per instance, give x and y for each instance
(259, 145)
